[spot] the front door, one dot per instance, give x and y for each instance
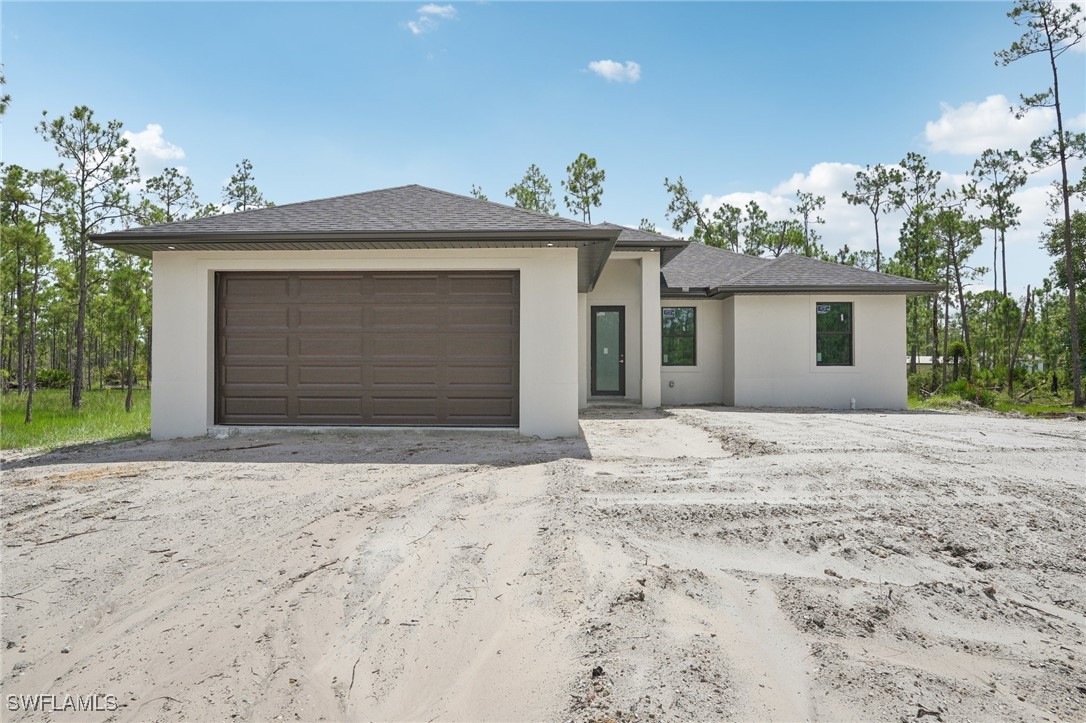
(608, 350)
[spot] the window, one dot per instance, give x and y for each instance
(679, 337)
(833, 334)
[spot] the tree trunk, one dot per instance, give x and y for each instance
(1017, 341)
(32, 382)
(946, 320)
(934, 342)
(878, 249)
(81, 317)
(1003, 253)
(130, 381)
(964, 312)
(20, 320)
(148, 355)
(1068, 250)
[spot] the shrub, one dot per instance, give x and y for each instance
(918, 381)
(53, 378)
(964, 389)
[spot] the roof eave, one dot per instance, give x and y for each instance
(686, 292)
(116, 239)
(722, 292)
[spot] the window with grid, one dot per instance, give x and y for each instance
(833, 334)
(680, 344)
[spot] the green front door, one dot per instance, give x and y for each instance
(608, 350)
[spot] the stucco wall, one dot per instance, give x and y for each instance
(727, 310)
(704, 382)
(775, 353)
(182, 399)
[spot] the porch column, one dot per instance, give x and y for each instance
(650, 330)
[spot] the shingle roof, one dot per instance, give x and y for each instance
(404, 209)
(702, 267)
(725, 272)
(636, 235)
(634, 239)
(406, 217)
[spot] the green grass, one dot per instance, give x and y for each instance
(1040, 406)
(56, 424)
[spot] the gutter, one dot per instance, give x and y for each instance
(918, 289)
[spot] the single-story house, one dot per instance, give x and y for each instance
(411, 306)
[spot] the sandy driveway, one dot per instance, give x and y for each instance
(694, 564)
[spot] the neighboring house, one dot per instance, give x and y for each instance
(411, 306)
(1030, 363)
(923, 363)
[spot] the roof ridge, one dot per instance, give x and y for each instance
(278, 205)
(329, 198)
(639, 230)
(768, 262)
(807, 259)
(505, 206)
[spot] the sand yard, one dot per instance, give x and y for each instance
(694, 563)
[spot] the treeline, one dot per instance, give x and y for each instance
(989, 337)
(73, 315)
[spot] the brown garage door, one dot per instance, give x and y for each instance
(379, 348)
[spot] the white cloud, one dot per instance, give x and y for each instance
(971, 128)
(429, 16)
(153, 152)
(441, 11)
(845, 224)
(1027, 263)
(150, 143)
(613, 71)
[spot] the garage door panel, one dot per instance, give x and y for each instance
(348, 346)
(241, 374)
(479, 407)
(407, 346)
(312, 406)
(378, 348)
(314, 288)
(258, 318)
(392, 407)
(404, 317)
(468, 284)
(250, 406)
(405, 376)
(411, 285)
(255, 288)
(481, 317)
(256, 346)
(342, 317)
(326, 375)
(485, 346)
(480, 376)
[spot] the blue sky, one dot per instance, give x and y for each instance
(743, 100)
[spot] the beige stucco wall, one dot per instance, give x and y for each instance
(704, 382)
(775, 353)
(182, 401)
(727, 310)
(630, 280)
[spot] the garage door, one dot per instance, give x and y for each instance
(377, 348)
